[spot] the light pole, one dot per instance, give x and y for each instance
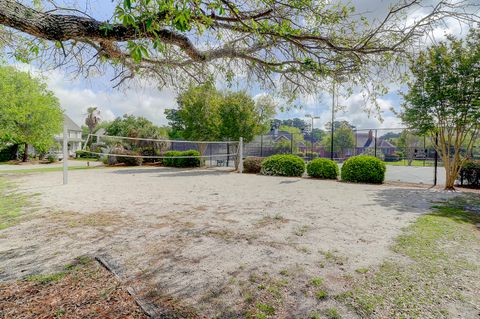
(311, 132)
(333, 118)
(334, 82)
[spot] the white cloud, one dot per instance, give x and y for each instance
(76, 95)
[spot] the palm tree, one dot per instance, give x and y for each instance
(92, 119)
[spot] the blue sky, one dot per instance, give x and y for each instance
(76, 94)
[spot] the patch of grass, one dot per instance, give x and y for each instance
(284, 272)
(86, 159)
(263, 295)
(44, 279)
(316, 281)
(12, 205)
(362, 270)
(266, 309)
(59, 313)
(300, 231)
(321, 294)
(303, 249)
(47, 169)
(314, 315)
(271, 220)
(332, 257)
(332, 313)
(414, 163)
(436, 265)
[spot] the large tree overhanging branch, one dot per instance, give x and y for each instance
(289, 42)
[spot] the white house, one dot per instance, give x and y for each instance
(74, 136)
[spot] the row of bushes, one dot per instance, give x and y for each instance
(357, 169)
(176, 161)
(173, 158)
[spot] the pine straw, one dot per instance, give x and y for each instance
(83, 290)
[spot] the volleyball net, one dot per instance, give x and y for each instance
(132, 151)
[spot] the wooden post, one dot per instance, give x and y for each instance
(240, 155)
(65, 154)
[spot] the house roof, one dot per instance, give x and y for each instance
(364, 139)
(368, 140)
(71, 125)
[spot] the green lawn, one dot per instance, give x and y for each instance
(47, 169)
(414, 163)
(12, 205)
(85, 159)
(435, 270)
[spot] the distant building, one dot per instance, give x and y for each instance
(74, 136)
(74, 139)
(366, 140)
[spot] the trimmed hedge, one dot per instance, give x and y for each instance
(391, 158)
(283, 165)
(182, 162)
(470, 173)
(363, 169)
(252, 164)
(322, 168)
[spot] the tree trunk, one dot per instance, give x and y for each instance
(452, 169)
(25, 153)
(450, 179)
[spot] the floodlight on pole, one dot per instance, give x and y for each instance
(311, 132)
(335, 80)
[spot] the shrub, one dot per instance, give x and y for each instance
(83, 154)
(283, 165)
(86, 153)
(311, 154)
(182, 162)
(322, 168)
(8, 152)
(470, 173)
(127, 160)
(363, 169)
(392, 158)
(52, 158)
(252, 164)
(150, 151)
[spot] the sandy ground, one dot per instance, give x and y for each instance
(198, 236)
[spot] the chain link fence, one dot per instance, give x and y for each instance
(394, 146)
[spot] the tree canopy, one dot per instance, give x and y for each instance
(343, 139)
(29, 113)
(92, 119)
(133, 126)
(284, 44)
(206, 114)
(198, 108)
(443, 99)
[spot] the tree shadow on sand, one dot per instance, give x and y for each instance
(459, 207)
